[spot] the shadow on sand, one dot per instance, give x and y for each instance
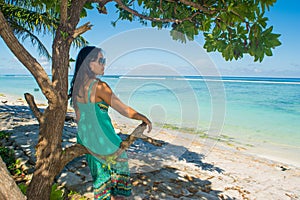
(164, 172)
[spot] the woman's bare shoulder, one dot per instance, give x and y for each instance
(102, 85)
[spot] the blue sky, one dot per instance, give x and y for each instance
(285, 62)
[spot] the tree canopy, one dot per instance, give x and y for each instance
(232, 27)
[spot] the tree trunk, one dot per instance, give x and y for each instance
(48, 153)
(8, 188)
(49, 149)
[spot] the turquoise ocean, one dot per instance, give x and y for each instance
(260, 113)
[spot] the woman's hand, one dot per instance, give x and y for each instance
(148, 122)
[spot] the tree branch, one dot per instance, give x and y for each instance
(163, 20)
(82, 29)
(74, 12)
(206, 10)
(63, 12)
(136, 13)
(197, 5)
(73, 152)
(36, 112)
(101, 2)
(27, 60)
(79, 150)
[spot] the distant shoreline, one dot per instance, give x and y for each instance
(226, 77)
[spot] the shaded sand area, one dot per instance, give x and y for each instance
(186, 166)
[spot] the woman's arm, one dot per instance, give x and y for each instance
(104, 92)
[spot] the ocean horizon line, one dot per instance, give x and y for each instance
(258, 79)
(141, 75)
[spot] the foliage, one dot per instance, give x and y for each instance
(231, 27)
(75, 195)
(28, 19)
(12, 164)
(56, 194)
(14, 168)
(6, 153)
(7, 156)
(4, 134)
(23, 187)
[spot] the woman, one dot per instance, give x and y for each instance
(91, 98)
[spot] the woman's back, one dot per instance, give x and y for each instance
(95, 130)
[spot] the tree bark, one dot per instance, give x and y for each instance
(49, 149)
(48, 153)
(8, 188)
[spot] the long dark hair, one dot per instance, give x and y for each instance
(82, 69)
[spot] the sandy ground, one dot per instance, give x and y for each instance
(232, 172)
(186, 160)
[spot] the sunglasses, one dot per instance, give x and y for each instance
(102, 61)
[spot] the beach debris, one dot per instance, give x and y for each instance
(187, 177)
(283, 168)
(242, 191)
(70, 117)
(292, 196)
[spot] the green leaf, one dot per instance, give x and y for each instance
(83, 13)
(56, 194)
(206, 25)
(140, 2)
(88, 6)
(230, 7)
(268, 52)
(241, 30)
(23, 187)
(216, 31)
(275, 42)
(263, 21)
(267, 31)
(176, 35)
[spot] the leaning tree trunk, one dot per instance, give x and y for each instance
(50, 158)
(51, 121)
(8, 188)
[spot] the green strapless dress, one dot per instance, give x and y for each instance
(96, 132)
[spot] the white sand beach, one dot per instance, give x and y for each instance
(184, 167)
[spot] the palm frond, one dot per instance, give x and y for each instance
(28, 21)
(80, 42)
